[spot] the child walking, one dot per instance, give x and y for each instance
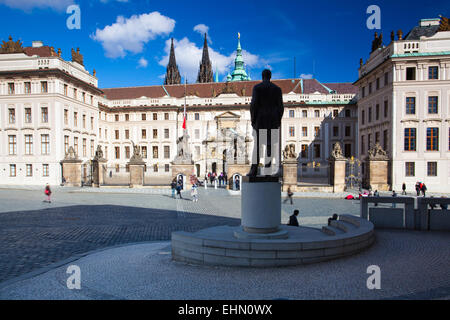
(48, 193)
(194, 193)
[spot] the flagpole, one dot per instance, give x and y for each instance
(185, 95)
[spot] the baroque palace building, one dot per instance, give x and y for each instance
(404, 104)
(48, 104)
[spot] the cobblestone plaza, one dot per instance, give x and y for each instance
(38, 239)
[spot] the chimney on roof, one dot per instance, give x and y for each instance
(37, 44)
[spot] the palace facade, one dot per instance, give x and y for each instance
(404, 104)
(48, 104)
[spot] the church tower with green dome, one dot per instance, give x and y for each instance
(238, 73)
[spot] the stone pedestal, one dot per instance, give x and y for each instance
(337, 174)
(290, 175)
(377, 174)
(72, 172)
(136, 173)
(233, 169)
(261, 208)
(97, 172)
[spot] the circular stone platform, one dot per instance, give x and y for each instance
(219, 245)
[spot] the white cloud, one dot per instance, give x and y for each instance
(28, 5)
(130, 35)
(306, 76)
(188, 57)
(202, 29)
(142, 63)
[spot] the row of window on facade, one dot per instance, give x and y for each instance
(432, 169)
(347, 131)
(45, 145)
(44, 89)
(377, 113)
(144, 152)
(433, 108)
(28, 118)
(365, 147)
(29, 170)
(75, 119)
(317, 114)
(433, 74)
(28, 143)
(155, 167)
(377, 85)
(410, 140)
(316, 149)
(143, 134)
(433, 105)
(432, 142)
(196, 116)
(144, 117)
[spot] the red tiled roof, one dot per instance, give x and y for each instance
(343, 88)
(209, 90)
(44, 51)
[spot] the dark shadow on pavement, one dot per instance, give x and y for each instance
(31, 240)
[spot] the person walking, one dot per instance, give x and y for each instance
(173, 185)
(48, 193)
(179, 190)
(237, 183)
(418, 188)
(376, 195)
(424, 189)
(293, 221)
(404, 189)
(290, 194)
(194, 193)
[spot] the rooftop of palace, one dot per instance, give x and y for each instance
(239, 89)
(431, 38)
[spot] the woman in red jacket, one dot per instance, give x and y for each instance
(48, 193)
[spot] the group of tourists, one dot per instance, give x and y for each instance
(177, 186)
(222, 178)
(421, 188)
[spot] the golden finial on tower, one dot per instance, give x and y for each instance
(239, 35)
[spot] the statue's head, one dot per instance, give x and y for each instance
(266, 75)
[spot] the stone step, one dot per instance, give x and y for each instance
(331, 231)
(350, 219)
(341, 225)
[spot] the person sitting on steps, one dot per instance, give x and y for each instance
(293, 219)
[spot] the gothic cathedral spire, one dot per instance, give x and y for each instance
(205, 74)
(172, 73)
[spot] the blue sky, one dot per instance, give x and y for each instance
(327, 37)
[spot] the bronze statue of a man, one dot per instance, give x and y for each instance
(266, 113)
